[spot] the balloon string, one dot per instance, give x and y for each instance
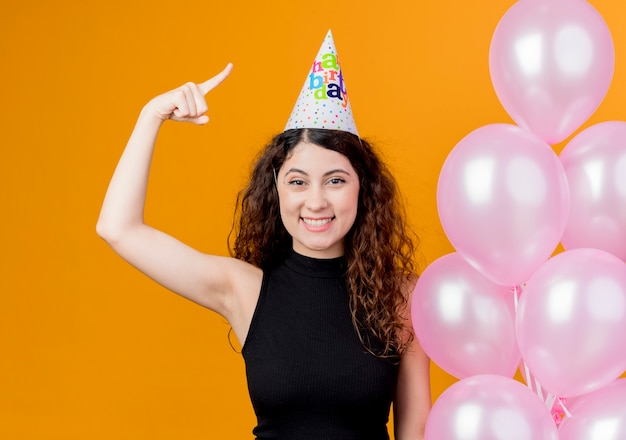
(558, 414)
(562, 405)
(515, 291)
(539, 390)
(529, 380)
(550, 398)
(529, 377)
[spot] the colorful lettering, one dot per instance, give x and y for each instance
(317, 66)
(329, 84)
(315, 81)
(329, 61)
(334, 91)
(320, 93)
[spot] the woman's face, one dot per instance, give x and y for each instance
(318, 193)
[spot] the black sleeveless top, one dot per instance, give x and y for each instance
(309, 376)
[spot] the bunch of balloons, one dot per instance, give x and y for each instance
(506, 200)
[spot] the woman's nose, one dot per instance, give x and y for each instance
(316, 199)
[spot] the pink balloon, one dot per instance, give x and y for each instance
(503, 201)
(489, 407)
(464, 322)
(571, 322)
(551, 64)
(595, 165)
(598, 415)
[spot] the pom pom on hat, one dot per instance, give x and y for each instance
(323, 101)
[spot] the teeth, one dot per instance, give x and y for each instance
(312, 222)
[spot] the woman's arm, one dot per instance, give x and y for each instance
(205, 279)
(412, 402)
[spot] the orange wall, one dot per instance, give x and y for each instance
(92, 349)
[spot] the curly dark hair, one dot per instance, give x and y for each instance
(378, 248)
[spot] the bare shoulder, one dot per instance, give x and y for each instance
(408, 289)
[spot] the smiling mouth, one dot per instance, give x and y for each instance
(317, 222)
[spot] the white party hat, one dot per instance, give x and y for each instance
(323, 100)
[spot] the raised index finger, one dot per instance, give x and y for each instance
(210, 84)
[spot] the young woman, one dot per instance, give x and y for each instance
(318, 289)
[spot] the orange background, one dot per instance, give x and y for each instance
(92, 349)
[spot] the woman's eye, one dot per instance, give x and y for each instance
(297, 182)
(336, 180)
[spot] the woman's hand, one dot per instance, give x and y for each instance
(186, 103)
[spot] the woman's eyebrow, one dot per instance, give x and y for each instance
(296, 170)
(337, 171)
(327, 173)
